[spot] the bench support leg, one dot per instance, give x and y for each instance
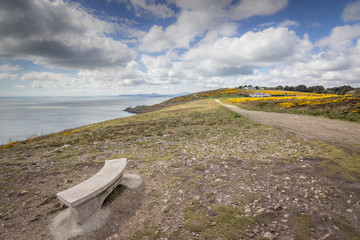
(84, 211)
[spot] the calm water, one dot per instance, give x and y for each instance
(25, 117)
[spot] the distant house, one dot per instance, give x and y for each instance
(249, 88)
(259, 94)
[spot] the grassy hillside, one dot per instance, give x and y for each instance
(345, 107)
(208, 174)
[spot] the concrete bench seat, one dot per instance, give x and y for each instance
(87, 197)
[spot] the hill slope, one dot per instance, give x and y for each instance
(208, 174)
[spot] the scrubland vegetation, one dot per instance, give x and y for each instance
(331, 104)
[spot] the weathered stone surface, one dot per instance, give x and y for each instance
(269, 235)
(131, 181)
(87, 197)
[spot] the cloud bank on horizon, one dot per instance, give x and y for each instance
(170, 46)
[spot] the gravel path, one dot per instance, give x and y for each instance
(336, 131)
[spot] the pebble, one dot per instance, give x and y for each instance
(250, 235)
(248, 210)
(23, 192)
(269, 235)
(212, 213)
(261, 210)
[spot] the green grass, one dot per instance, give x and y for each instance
(302, 225)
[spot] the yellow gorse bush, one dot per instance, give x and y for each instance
(293, 99)
(66, 133)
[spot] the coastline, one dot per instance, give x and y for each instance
(28, 117)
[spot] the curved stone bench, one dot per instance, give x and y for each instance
(87, 197)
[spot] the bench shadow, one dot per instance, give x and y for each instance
(124, 203)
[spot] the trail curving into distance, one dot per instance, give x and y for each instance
(331, 130)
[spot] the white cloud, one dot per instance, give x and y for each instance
(114, 78)
(9, 68)
(249, 8)
(341, 37)
(58, 33)
(18, 86)
(158, 10)
(109, 81)
(271, 46)
(8, 76)
(288, 23)
(330, 68)
(7, 72)
(51, 80)
(218, 62)
(198, 17)
(351, 12)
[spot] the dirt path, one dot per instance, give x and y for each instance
(336, 131)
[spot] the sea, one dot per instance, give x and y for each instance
(27, 117)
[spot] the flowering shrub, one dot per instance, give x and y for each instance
(74, 131)
(298, 99)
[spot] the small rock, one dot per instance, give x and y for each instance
(116, 235)
(212, 224)
(35, 218)
(302, 177)
(23, 192)
(248, 210)
(68, 181)
(278, 207)
(250, 235)
(269, 235)
(284, 220)
(287, 178)
(212, 213)
(218, 180)
(349, 210)
(261, 210)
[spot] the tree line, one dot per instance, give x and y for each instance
(341, 90)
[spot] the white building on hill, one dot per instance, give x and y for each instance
(259, 94)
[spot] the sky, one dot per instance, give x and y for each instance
(112, 47)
